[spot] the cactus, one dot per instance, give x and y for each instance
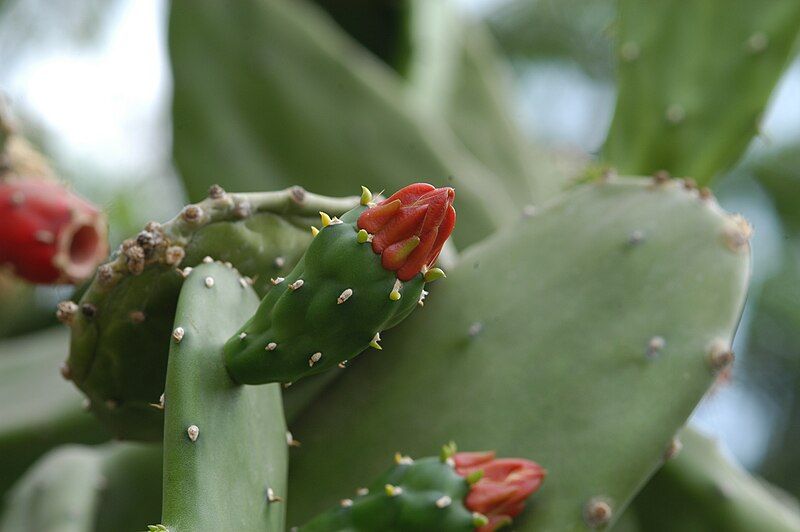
(122, 324)
(621, 293)
(211, 113)
(225, 447)
(451, 492)
(712, 494)
(38, 410)
(675, 107)
(360, 276)
(83, 489)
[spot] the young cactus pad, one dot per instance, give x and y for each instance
(453, 492)
(361, 275)
(225, 448)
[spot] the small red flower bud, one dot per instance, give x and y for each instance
(501, 492)
(410, 227)
(47, 233)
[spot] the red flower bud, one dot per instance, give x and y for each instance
(47, 233)
(501, 492)
(410, 227)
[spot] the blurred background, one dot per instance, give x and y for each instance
(91, 84)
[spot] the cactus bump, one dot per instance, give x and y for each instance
(362, 274)
(467, 491)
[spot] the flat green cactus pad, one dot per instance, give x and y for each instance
(580, 338)
(225, 447)
(83, 489)
(694, 79)
(712, 493)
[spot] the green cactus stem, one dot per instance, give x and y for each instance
(122, 324)
(349, 287)
(225, 447)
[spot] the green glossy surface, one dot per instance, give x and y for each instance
(310, 319)
(693, 81)
(536, 345)
(221, 480)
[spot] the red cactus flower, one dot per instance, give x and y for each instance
(410, 227)
(501, 492)
(47, 233)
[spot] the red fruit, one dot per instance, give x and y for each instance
(47, 233)
(500, 494)
(410, 227)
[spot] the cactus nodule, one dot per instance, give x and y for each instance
(343, 293)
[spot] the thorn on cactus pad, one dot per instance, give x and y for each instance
(242, 335)
(346, 503)
(393, 491)
(276, 280)
(105, 274)
(279, 262)
(344, 296)
(314, 231)
(400, 459)
(296, 285)
(475, 329)
(672, 450)
(65, 371)
(366, 195)
(86, 405)
(174, 255)
(207, 259)
(342, 364)
(271, 497)
(313, 359)
(720, 355)
(272, 346)
(193, 432)
(243, 282)
(737, 233)
(361, 492)
(444, 501)
(636, 237)
(209, 282)
(654, 346)
(395, 295)
(422, 296)
(434, 274)
(186, 271)
(192, 214)
(661, 177)
(374, 342)
(160, 404)
(215, 191)
(286, 384)
(757, 42)
(597, 512)
(325, 219)
(362, 236)
(479, 520)
(66, 312)
(290, 441)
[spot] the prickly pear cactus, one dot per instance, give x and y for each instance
(621, 293)
(225, 446)
(122, 324)
(452, 492)
(362, 274)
